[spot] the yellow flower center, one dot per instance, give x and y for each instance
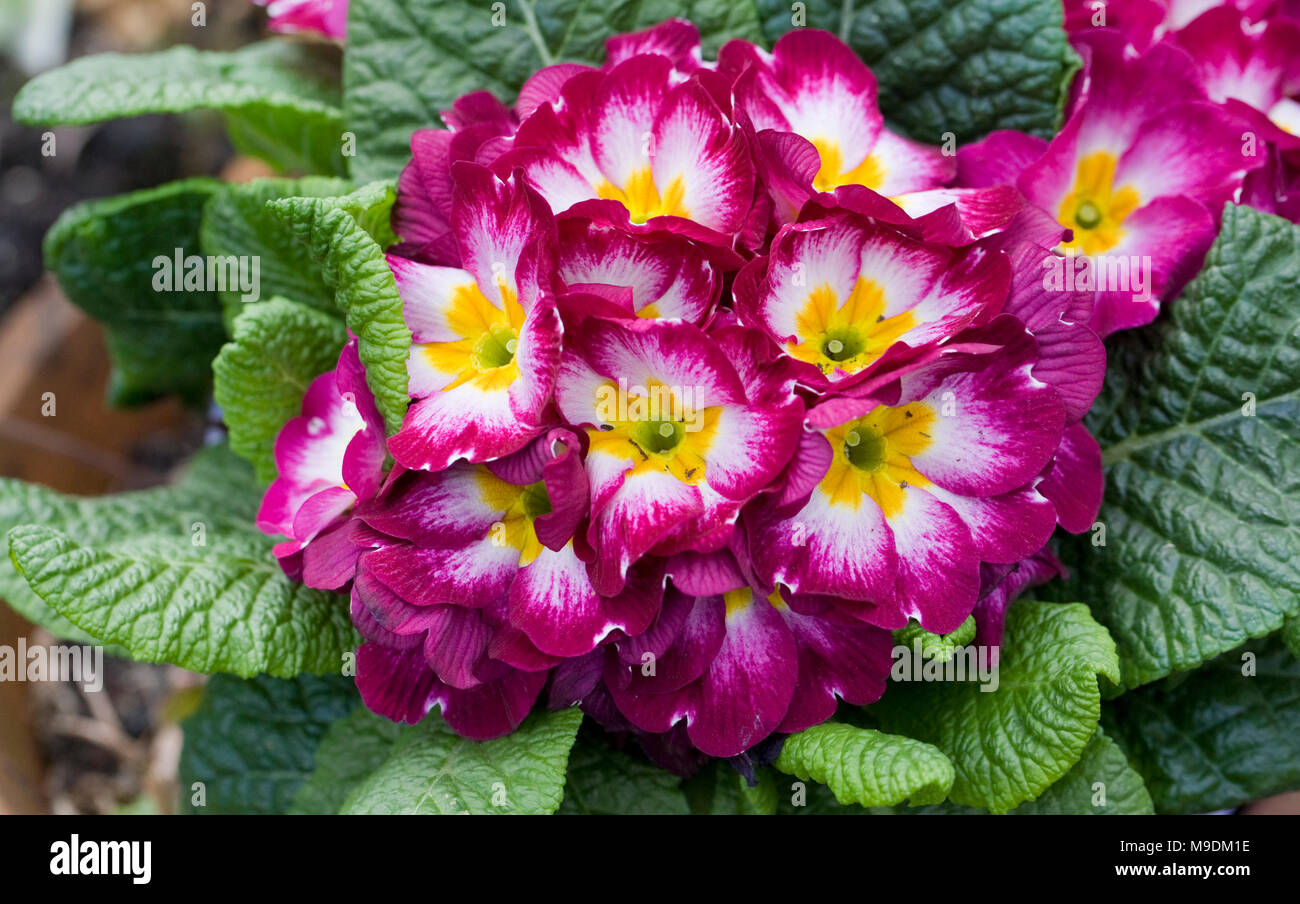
(520, 507)
(1095, 209)
(737, 601)
(848, 336)
(485, 353)
(873, 456)
(831, 175)
(642, 199)
(656, 428)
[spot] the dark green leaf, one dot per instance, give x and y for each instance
(1197, 420)
(253, 743)
(106, 256)
(1219, 736)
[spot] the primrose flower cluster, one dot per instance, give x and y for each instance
(716, 381)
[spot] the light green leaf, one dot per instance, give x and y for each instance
(1102, 783)
(253, 743)
(867, 767)
(603, 781)
(103, 253)
(1219, 736)
(1202, 505)
(961, 66)
(178, 575)
(280, 98)
(936, 646)
(26, 503)
(262, 374)
(341, 234)
(351, 750)
(236, 221)
(407, 60)
(432, 771)
(1010, 745)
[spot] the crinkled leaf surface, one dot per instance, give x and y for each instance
(867, 767)
(351, 750)
(1011, 744)
(605, 781)
(179, 575)
(347, 236)
(252, 743)
(1197, 423)
(262, 374)
(236, 221)
(962, 66)
(280, 98)
(432, 771)
(104, 252)
(1219, 736)
(407, 60)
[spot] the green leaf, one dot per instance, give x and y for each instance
(407, 60)
(1291, 635)
(432, 771)
(351, 750)
(936, 646)
(1122, 791)
(1216, 737)
(961, 66)
(280, 98)
(341, 235)
(1011, 744)
(262, 374)
(103, 253)
(179, 575)
(603, 781)
(253, 743)
(26, 503)
(236, 221)
(867, 767)
(1202, 505)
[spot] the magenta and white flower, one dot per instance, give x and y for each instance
(715, 381)
(328, 458)
(641, 146)
(679, 439)
(897, 498)
(486, 335)
(844, 294)
(1107, 176)
(812, 105)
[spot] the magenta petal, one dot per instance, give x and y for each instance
(492, 709)
(330, 560)
(456, 643)
(836, 662)
(568, 490)
(397, 684)
(747, 690)
(675, 650)
(1074, 482)
(997, 159)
